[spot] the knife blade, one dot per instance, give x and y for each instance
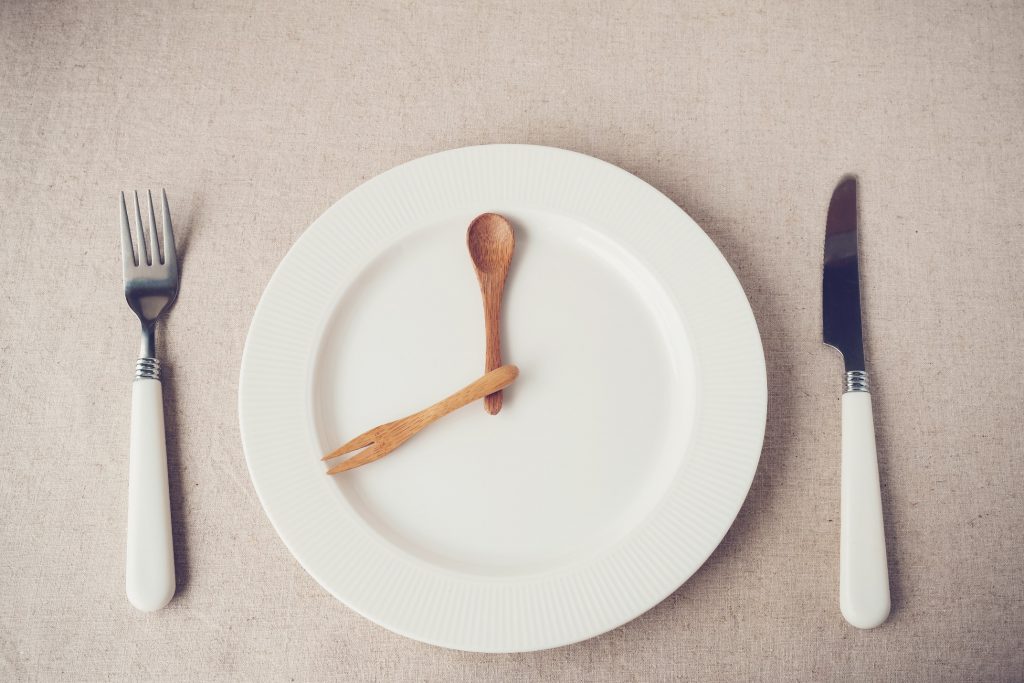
(863, 566)
(840, 290)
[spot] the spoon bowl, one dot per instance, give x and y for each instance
(491, 242)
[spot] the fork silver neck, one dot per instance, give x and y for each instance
(147, 366)
(148, 347)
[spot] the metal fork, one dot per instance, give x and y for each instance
(150, 286)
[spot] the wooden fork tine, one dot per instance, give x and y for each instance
(369, 455)
(361, 441)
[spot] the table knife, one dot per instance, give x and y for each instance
(863, 568)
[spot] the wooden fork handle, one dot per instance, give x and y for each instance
(493, 381)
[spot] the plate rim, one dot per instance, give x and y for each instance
(486, 158)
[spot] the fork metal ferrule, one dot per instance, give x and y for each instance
(856, 380)
(147, 368)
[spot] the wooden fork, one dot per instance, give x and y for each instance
(387, 437)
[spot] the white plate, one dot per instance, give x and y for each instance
(622, 453)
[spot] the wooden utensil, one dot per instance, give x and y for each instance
(491, 242)
(387, 437)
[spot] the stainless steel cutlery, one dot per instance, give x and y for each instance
(150, 286)
(863, 568)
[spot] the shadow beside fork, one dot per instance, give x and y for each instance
(175, 484)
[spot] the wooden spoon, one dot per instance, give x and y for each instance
(491, 242)
(387, 437)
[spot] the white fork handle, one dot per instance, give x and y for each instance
(863, 570)
(149, 571)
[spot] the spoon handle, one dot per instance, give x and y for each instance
(492, 324)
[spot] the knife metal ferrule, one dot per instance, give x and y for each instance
(147, 368)
(857, 380)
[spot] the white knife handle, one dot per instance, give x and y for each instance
(863, 569)
(149, 571)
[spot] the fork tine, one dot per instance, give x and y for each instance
(154, 244)
(143, 251)
(170, 252)
(361, 441)
(369, 455)
(127, 255)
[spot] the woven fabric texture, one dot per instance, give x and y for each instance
(257, 116)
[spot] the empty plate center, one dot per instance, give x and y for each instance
(590, 435)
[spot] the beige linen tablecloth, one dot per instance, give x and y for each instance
(257, 116)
